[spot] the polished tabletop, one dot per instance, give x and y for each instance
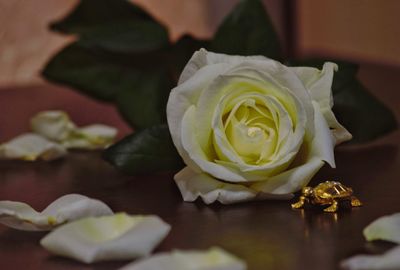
(266, 234)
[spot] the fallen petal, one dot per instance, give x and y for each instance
(67, 208)
(95, 136)
(212, 259)
(389, 260)
(53, 125)
(115, 237)
(384, 228)
(57, 126)
(31, 147)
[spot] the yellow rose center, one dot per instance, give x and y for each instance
(254, 131)
(250, 129)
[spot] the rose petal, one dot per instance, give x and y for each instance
(99, 134)
(386, 261)
(31, 147)
(195, 153)
(319, 83)
(285, 80)
(182, 97)
(291, 180)
(323, 143)
(278, 160)
(208, 66)
(202, 58)
(261, 78)
(116, 237)
(95, 136)
(193, 185)
(70, 207)
(57, 126)
(53, 125)
(320, 150)
(218, 170)
(212, 259)
(339, 132)
(190, 89)
(385, 228)
(287, 182)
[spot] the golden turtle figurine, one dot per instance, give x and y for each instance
(328, 193)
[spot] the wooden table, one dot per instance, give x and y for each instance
(268, 235)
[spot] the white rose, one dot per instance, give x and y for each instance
(250, 127)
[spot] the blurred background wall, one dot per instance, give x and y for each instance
(25, 43)
(360, 30)
(365, 31)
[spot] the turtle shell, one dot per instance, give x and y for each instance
(332, 190)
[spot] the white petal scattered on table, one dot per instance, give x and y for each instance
(67, 208)
(384, 228)
(31, 147)
(115, 237)
(53, 125)
(389, 260)
(212, 259)
(57, 126)
(91, 137)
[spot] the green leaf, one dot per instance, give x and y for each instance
(360, 112)
(247, 30)
(93, 73)
(149, 150)
(127, 37)
(139, 90)
(143, 104)
(113, 25)
(180, 53)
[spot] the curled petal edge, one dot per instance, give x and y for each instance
(193, 185)
(388, 260)
(70, 207)
(319, 84)
(384, 228)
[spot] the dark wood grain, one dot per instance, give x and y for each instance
(268, 235)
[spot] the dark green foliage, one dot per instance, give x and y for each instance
(247, 31)
(361, 113)
(143, 103)
(91, 14)
(149, 150)
(93, 73)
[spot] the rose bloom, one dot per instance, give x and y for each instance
(250, 127)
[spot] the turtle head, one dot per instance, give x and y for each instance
(307, 191)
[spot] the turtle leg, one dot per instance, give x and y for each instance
(333, 207)
(300, 203)
(355, 202)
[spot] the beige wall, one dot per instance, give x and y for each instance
(362, 30)
(25, 43)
